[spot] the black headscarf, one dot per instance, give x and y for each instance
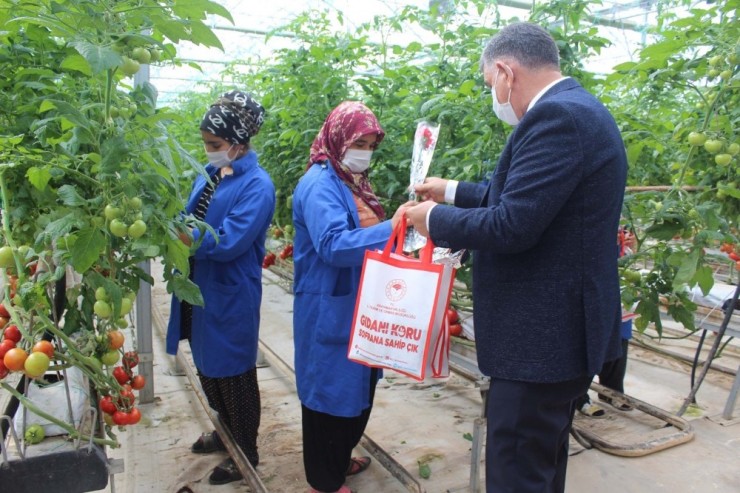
(235, 117)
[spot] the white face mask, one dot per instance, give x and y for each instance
(220, 159)
(505, 112)
(357, 160)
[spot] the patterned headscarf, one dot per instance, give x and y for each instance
(235, 117)
(345, 124)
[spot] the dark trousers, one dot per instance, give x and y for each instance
(527, 434)
(328, 442)
(611, 375)
(237, 402)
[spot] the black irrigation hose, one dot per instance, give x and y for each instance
(695, 388)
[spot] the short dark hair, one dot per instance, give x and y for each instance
(527, 43)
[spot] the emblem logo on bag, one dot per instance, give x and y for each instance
(395, 290)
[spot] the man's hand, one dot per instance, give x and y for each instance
(432, 189)
(417, 217)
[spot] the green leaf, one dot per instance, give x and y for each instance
(686, 269)
(87, 249)
(682, 315)
(186, 290)
(78, 63)
(664, 231)
(70, 197)
(705, 278)
(99, 57)
(178, 254)
(38, 177)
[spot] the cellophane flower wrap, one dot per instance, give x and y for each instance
(425, 140)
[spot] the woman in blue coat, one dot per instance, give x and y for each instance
(336, 217)
(237, 201)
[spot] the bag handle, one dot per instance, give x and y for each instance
(441, 350)
(398, 237)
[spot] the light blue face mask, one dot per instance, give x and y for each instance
(505, 112)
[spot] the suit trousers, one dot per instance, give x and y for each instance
(528, 426)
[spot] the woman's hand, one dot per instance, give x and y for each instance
(186, 238)
(400, 212)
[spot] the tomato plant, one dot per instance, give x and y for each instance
(86, 153)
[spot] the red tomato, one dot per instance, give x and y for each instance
(3, 370)
(107, 405)
(120, 418)
(6, 346)
(45, 347)
(127, 398)
(134, 416)
(121, 375)
(452, 316)
(15, 358)
(3, 322)
(4, 312)
(138, 382)
(130, 359)
(734, 256)
(13, 333)
(455, 329)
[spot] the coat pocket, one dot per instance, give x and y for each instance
(335, 318)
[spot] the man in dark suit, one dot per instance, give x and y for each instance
(545, 282)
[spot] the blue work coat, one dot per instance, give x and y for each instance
(329, 248)
(228, 271)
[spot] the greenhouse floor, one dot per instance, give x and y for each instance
(425, 422)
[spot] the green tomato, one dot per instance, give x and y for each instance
(101, 294)
(713, 73)
(142, 55)
(110, 358)
(130, 295)
(6, 257)
(112, 212)
(34, 434)
(118, 228)
(102, 309)
(121, 323)
(713, 146)
(134, 203)
(715, 60)
(126, 305)
(36, 364)
(733, 148)
(137, 229)
(723, 159)
(129, 66)
(156, 54)
(697, 138)
(725, 75)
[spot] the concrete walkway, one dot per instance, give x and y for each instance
(429, 422)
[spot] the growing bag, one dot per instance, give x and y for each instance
(400, 318)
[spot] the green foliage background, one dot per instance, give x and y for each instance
(669, 90)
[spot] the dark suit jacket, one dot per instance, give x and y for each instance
(544, 239)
